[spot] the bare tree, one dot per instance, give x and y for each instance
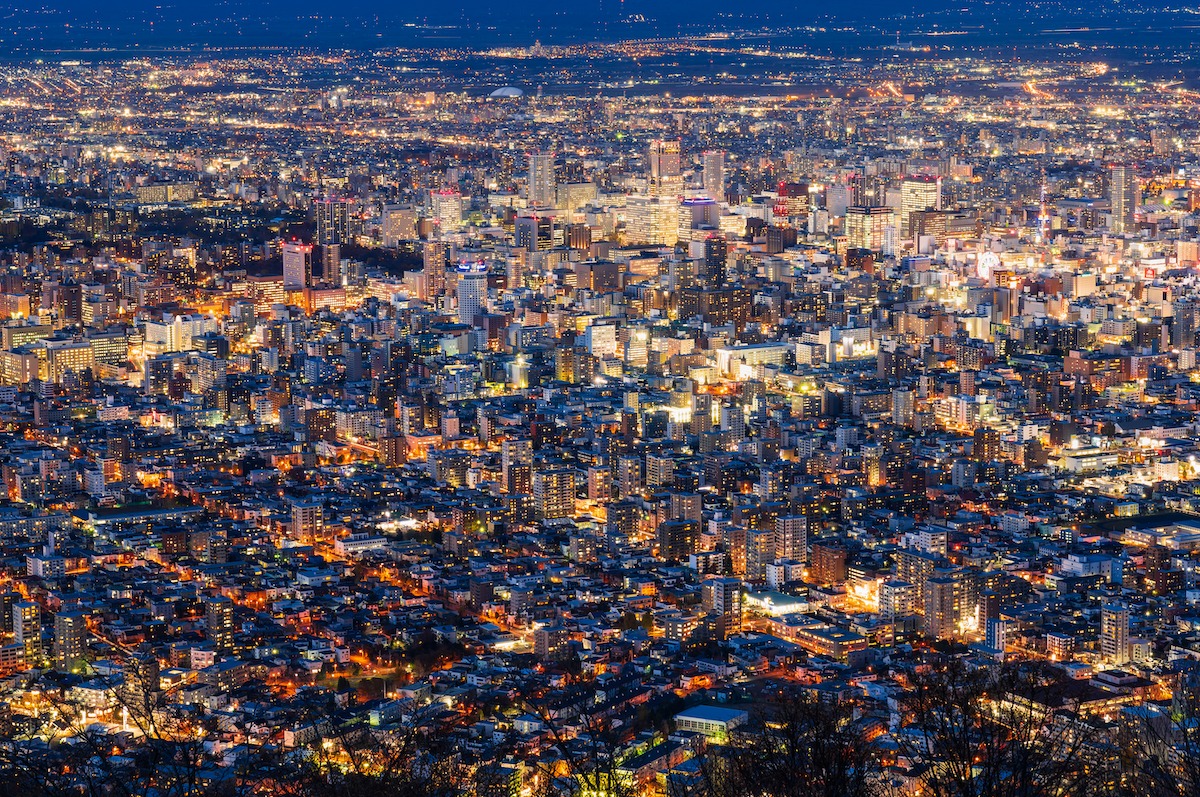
(998, 732)
(796, 745)
(1162, 742)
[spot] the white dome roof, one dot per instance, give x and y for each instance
(508, 91)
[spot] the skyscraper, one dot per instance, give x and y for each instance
(554, 493)
(541, 180)
(218, 618)
(791, 538)
(666, 168)
(723, 597)
(297, 266)
(1122, 198)
(27, 630)
(70, 637)
(1114, 634)
(516, 458)
(714, 174)
(447, 208)
(918, 192)
(333, 221)
(399, 224)
(435, 254)
(472, 291)
(866, 227)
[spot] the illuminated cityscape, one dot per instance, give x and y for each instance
(672, 407)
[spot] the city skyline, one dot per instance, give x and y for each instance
(626, 399)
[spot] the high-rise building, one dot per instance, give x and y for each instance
(447, 210)
(472, 291)
(70, 637)
(27, 630)
(297, 266)
(554, 493)
(904, 407)
(308, 520)
(542, 185)
(218, 617)
(918, 192)
(828, 565)
(552, 643)
(716, 253)
(760, 552)
(791, 538)
(399, 223)
(866, 227)
(714, 174)
(722, 597)
(331, 264)
(666, 168)
(678, 539)
(516, 459)
(1114, 634)
(1122, 198)
(434, 255)
(333, 221)
(941, 607)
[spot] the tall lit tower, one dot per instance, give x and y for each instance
(541, 180)
(472, 291)
(1114, 634)
(1121, 198)
(333, 222)
(297, 266)
(1043, 214)
(435, 255)
(666, 168)
(918, 192)
(714, 174)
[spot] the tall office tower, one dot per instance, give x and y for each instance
(447, 210)
(918, 192)
(1114, 634)
(218, 617)
(716, 252)
(666, 168)
(791, 538)
(333, 221)
(554, 493)
(70, 637)
(1122, 198)
(297, 266)
(27, 630)
(542, 186)
(516, 459)
(472, 291)
(866, 227)
(723, 598)
(399, 224)
(714, 174)
(435, 255)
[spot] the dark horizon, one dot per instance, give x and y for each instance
(70, 24)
